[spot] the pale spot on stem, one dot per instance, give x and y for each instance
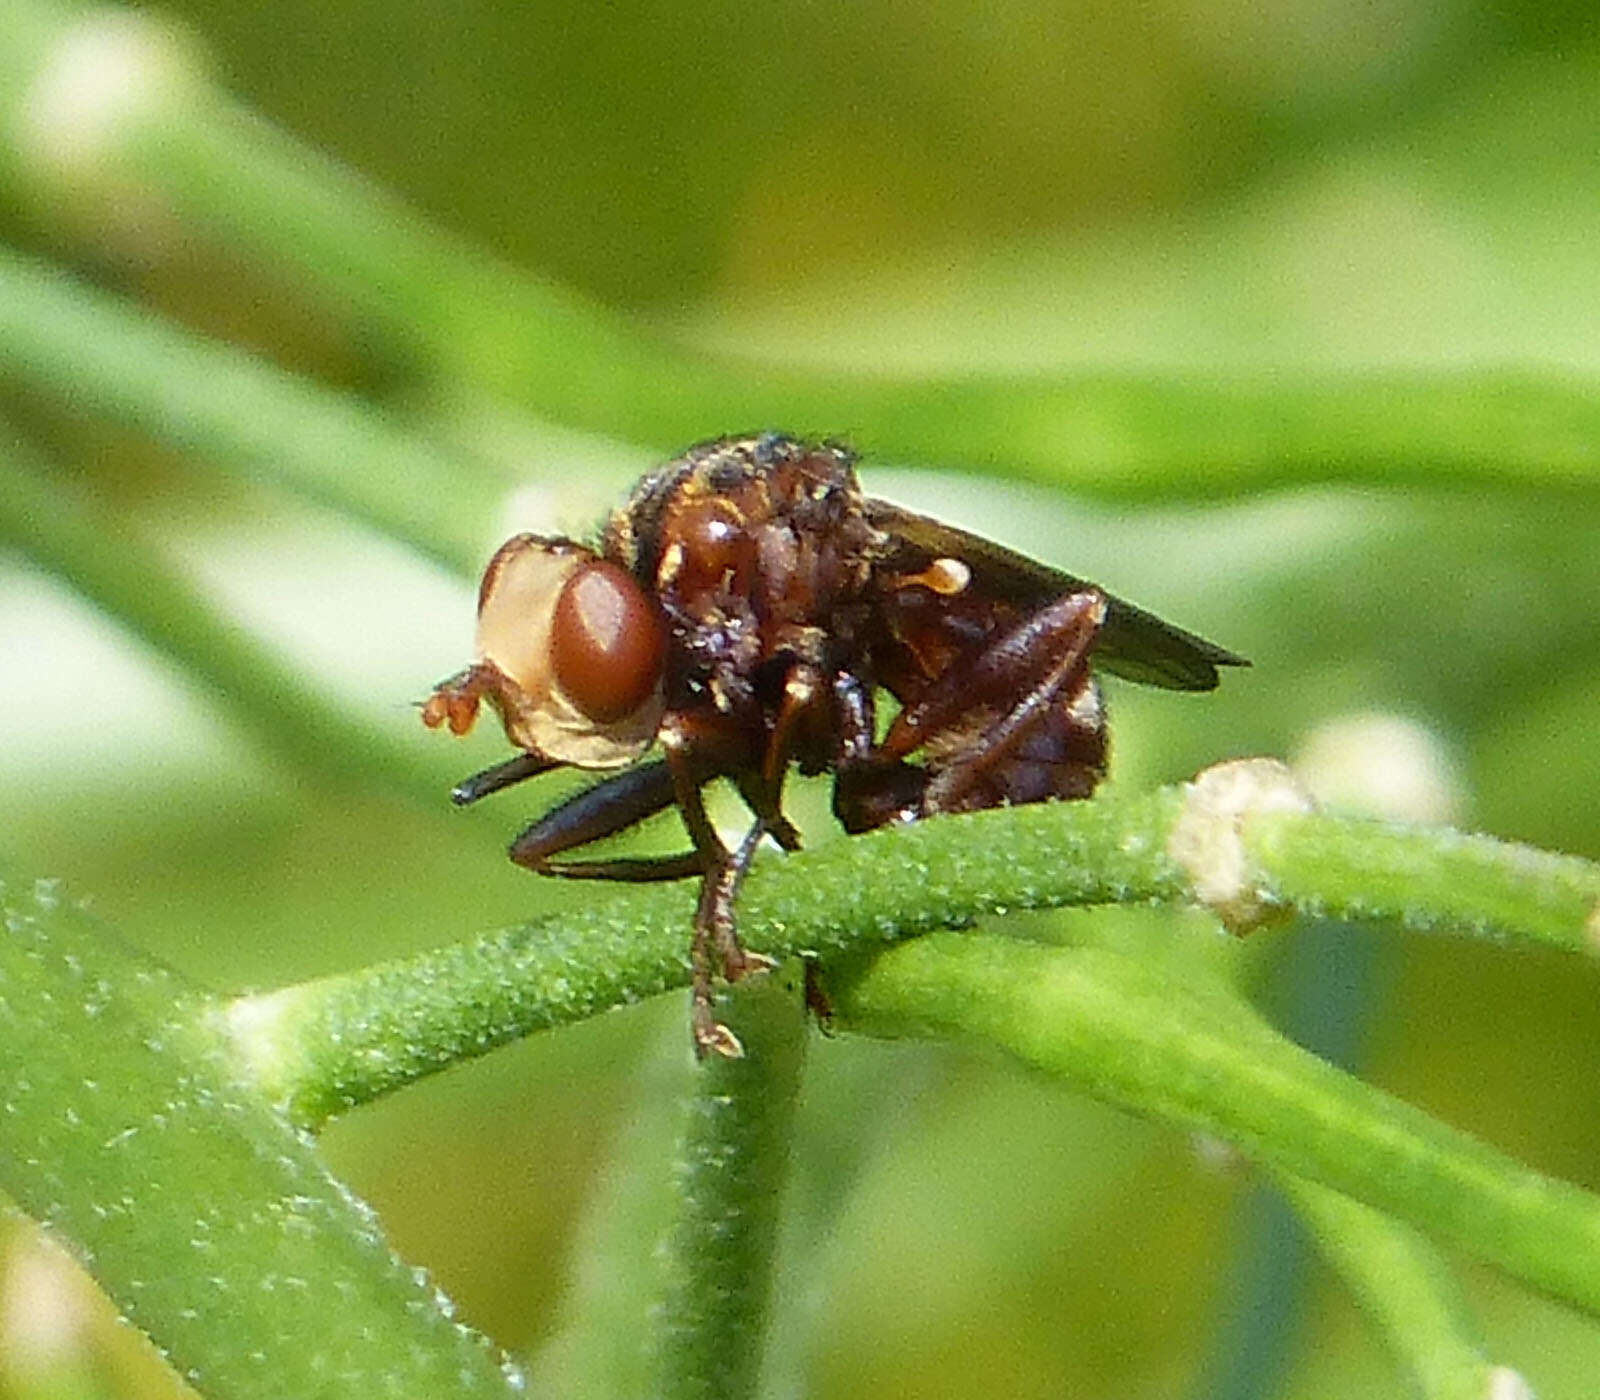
(1208, 838)
(253, 1026)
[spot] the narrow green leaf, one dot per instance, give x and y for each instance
(1128, 1032)
(207, 1218)
(72, 538)
(471, 318)
(101, 355)
(1403, 1286)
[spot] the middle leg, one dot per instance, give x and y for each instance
(715, 930)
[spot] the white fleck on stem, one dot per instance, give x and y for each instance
(1208, 838)
(253, 1026)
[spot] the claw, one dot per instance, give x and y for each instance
(741, 963)
(717, 1039)
(711, 1037)
(817, 1002)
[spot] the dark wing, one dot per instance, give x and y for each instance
(1134, 644)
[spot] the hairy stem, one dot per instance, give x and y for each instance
(325, 1046)
(732, 1163)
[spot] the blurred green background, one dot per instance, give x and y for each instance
(1200, 189)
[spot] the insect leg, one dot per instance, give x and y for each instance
(802, 688)
(868, 791)
(867, 796)
(600, 811)
(954, 783)
(1048, 743)
(502, 775)
(686, 778)
(714, 928)
(1034, 648)
(765, 801)
(763, 792)
(853, 719)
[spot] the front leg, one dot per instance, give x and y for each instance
(714, 928)
(604, 810)
(500, 777)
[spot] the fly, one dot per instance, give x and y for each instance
(744, 609)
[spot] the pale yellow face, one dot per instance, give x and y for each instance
(579, 650)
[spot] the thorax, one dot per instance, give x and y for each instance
(760, 554)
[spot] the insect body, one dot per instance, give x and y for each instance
(744, 608)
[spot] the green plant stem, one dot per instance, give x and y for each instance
(1403, 1286)
(1130, 1033)
(207, 1218)
(473, 318)
(689, 1201)
(72, 538)
(1371, 870)
(732, 1164)
(324, 1046)
(98, 354)
(1157, 1044)
(1171, 1047)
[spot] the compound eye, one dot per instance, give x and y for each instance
(606, 642)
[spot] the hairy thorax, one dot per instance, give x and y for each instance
(760, 555)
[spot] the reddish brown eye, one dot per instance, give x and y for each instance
(606, 643)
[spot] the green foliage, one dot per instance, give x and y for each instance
(213, 1223)
(405, 381)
